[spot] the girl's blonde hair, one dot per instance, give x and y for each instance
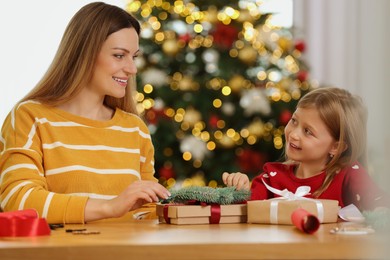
(75, 59)
(345, 116)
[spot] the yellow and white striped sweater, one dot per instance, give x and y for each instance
(53, 161)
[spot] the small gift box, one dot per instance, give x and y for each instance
(279, 210)
(201, 214)
(204, 205)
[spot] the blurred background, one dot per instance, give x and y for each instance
(218, 80)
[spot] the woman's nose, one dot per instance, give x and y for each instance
(130, 67)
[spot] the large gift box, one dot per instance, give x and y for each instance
(201, 214)
(279, 211)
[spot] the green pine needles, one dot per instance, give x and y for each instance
(379, 220)
(222, 196)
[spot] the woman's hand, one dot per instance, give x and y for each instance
(237, 179)
(133, 197)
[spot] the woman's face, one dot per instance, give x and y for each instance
(115, 64)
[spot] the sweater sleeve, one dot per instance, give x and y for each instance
(147, 170)
(258, 189)
(147, 154)
(22, 181)
(361, 190)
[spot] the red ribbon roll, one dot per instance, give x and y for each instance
(23, 223)
(305, 221)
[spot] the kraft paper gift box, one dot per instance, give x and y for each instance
(278, 211)
(199, 214)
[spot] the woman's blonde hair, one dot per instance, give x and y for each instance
(345, 116)
(75, 59)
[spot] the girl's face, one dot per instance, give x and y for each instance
(308, 140)
(115, 64)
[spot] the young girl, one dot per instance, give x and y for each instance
(326, 150)
(75, 148)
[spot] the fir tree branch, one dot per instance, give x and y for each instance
(222, 196)
(378, 219)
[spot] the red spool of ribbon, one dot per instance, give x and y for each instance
(305, 221)
(23, 223)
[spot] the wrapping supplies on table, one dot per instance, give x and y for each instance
(23, 223)
(305, 221)
(201, 214)
(280, 209)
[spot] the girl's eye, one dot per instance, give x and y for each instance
(135, 56)
(293, 120)
(307, 131)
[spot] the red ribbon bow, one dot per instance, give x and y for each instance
(23, 223)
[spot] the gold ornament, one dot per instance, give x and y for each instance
(236, 83)
(226, 142)
(192, 116)
(211, 15)
(245, 16)
(285, 83)
(285, 44)
(256, 128)
(170, 47)
(248, 55)
(186, 84)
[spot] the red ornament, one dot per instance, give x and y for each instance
(154, 115)
(213, 121)
(284, 117)
(300, 46)
(166, 172)
(225, 35)
(185, 37)
(302, 75)
(251, 161)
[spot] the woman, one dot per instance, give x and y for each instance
(74, 148)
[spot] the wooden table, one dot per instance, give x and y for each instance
(148, 239)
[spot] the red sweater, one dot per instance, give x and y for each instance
(352, 185)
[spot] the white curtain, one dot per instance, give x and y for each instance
(348, 46)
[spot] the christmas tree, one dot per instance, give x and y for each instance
(217, 83)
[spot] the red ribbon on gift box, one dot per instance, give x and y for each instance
(215, 210)
(23, 223)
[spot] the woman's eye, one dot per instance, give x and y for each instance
(119, 56)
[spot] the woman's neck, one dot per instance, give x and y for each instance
(88, 107)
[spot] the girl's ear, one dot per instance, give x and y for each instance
(337, 146)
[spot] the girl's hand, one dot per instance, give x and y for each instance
(237, 179)
(133, 197)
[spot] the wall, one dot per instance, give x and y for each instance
(30, 34)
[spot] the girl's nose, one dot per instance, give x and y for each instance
(294, 134)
